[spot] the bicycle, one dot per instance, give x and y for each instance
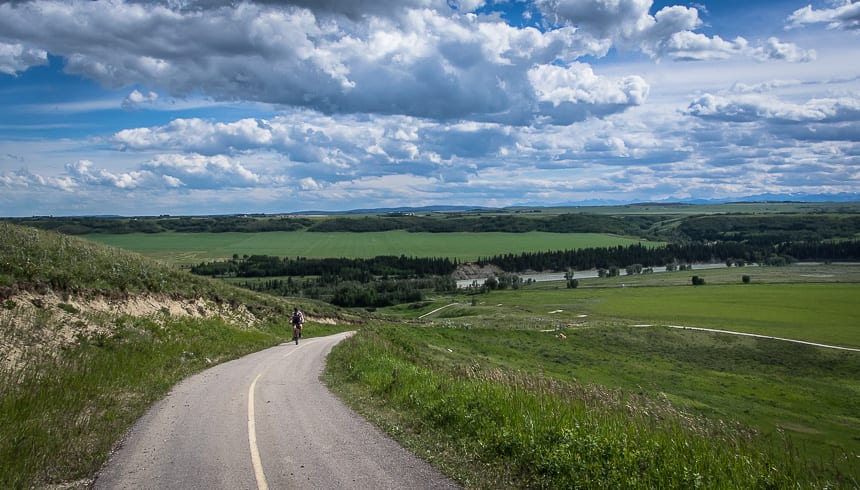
(297, 332)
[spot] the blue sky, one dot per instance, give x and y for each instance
(136, 107)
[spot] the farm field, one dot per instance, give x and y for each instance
(813, 303)
(193, 248)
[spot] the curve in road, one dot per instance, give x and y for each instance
(264, 421)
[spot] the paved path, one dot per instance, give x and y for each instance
(264, 421)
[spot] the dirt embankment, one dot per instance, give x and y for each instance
(42, 323)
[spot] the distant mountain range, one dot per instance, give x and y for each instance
(795, 198)
(844, 197)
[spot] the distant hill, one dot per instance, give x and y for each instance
(400, 209)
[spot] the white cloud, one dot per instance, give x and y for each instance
(757, 107)
(202, 172)
(669, 33)
(337, 104)
(419, 58)
(82, 171)
(15, 58)
(576, 93)
(428, 63)
(842, 16)
(135, 100)
(24, 179)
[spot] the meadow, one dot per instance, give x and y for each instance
(193, 248)
(609, 407)
(797, 403)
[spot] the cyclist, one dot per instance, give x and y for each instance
(298, 320)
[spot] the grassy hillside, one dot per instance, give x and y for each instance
(548, 387)
(457, 398)
(90, 336)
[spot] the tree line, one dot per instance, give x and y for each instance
(770, 229)
(564, 223)
(162, 224)
(755, 229)
(344, 268)
(675, 253)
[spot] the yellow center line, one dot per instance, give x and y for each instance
(252, 439)
(256, 461)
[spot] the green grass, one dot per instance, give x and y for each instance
(480, 390)
(825, 313)
(61, 416)
(809, 303)
(488, 408)
(64, 405)
(800, 398)
(822, 313)
(192, 248)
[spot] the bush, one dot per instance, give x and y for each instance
(698, 281)
(745, 278)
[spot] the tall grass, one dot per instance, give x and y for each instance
(514, 429)
(61, 415)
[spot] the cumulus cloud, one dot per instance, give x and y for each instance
(421, 58)
(202, 172)
(669, 33)
(136, 99)
(746, 108)
(418, 101)
(163, 172)
(197, 135)
(693, 46)
(25, 179)
(574, 93)
(423, 62)
(845, 15)
(337, 146)
(83, 171)
(15, 58)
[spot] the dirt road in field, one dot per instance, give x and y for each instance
(263, 421)
(826, 346)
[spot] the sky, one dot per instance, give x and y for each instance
(196, 107)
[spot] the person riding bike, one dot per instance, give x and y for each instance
(298, 320)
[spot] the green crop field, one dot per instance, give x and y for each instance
(192, 248)
(821, 313)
